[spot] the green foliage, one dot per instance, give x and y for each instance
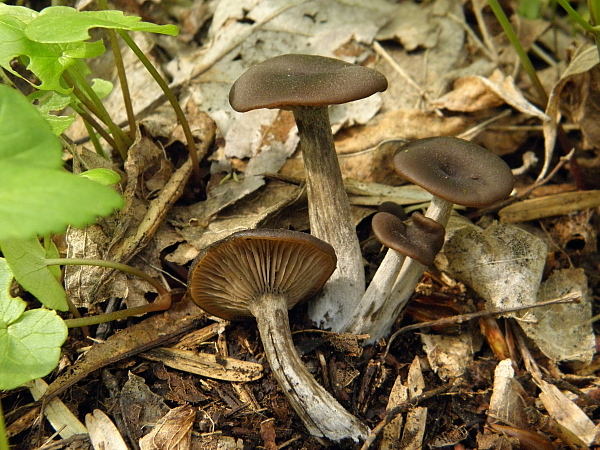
(50, 42)
(46, 61)
(62, 24)
(105, 177)
(50, 102)
(27, 261)
(53, 45)
(37, 197)
(30, 341)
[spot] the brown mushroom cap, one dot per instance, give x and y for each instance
(421, 240)
(293, 80)
(234, 271)
(455, 170)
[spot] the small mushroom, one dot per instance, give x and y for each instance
(421, 240)
(307, 85)
(455, 171)
(263, 273)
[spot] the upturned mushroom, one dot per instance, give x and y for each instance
(455, 171)
(307, 85)
(262, 274)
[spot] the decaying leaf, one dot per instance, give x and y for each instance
(449, 356)
(103, 432)
(416, 418)
(151, 332)
(474, 93)
(172, 432)
(409, 436)
(563, 331)
(507, 402)
(569, 415)
(139, 406)
(583, 61)
(502, 263)
(58, 414)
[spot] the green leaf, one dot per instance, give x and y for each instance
(37, 197)
(48, 102)
(105, 177)
(36, 201)
(102, 87)
(46, 61)
(25, 137)
(60, 24)
(30, 341)
(27, 261)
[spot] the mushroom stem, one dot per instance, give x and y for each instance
(391, 287)
(376, 294)
(330, 218)
(322, 414)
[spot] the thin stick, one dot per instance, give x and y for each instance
(572, 297)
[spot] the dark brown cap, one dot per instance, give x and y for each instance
(455, 170)
(234, 271)
(294, 80)
(421, 240)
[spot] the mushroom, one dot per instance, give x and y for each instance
(421, 240)
(263, 273)
(455, 171)
(307, 85)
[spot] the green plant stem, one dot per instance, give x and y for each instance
(3, 438)
(95, 141)
(574, 15)
(163, 302)
(89, 120)
(521, 53)
(112, 38)
(74, 78)
(594, 7)
(114, 45)
(174, 103)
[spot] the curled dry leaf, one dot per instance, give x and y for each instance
(474, 93)
(583, 61)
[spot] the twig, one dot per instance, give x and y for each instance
(392, 413)
(385, 55)
(568, 298)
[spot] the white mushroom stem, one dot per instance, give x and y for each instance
(391, 287)
(377, 292)
(330, 218)
(322, 414)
